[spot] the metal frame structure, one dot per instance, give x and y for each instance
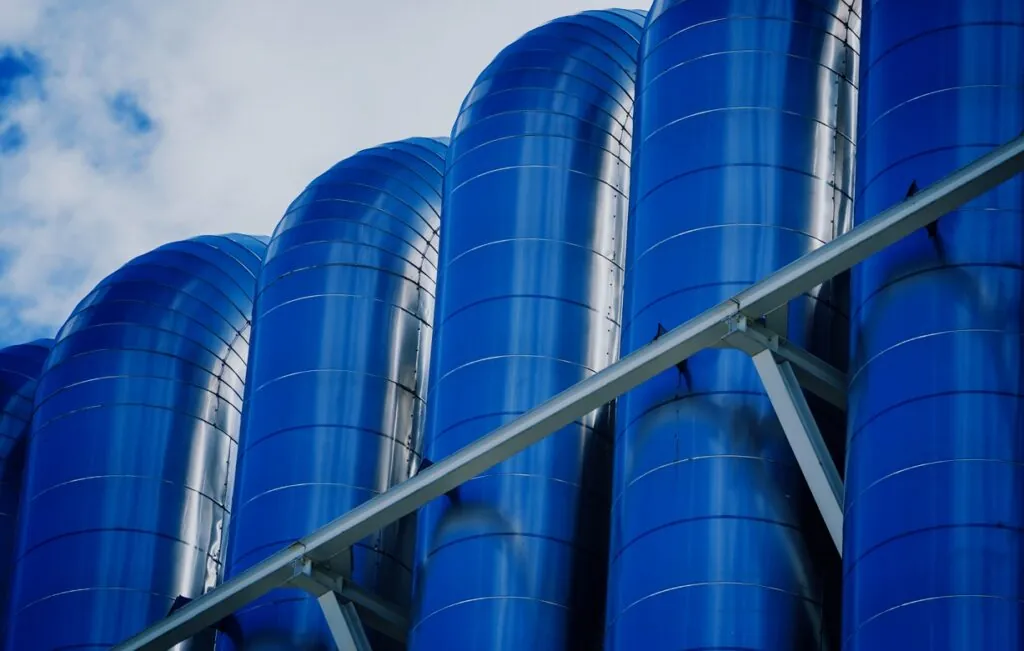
(782, 367)
(814, 459)
(786, 371)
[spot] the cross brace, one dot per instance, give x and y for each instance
(785, 370)
(343, 621)
(814, 374)
(378, 614)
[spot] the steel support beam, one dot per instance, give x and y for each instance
(344, 623)
(884, 229)
(376, 613)
(815, 375)
(804, 438)
(700, 332)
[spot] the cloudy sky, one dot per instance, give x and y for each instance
(128, 123)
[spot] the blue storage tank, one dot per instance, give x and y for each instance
(334, 406)
(131, 456)
(934, 550)
(744, 142)
(529, 304)
(20, 367)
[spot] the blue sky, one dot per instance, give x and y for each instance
(125, 124)
(20, 74)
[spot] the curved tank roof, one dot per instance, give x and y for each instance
(341, 335)
(536, 189)
(20, 367)
(744, 137)
(133, 443)
(934, 529)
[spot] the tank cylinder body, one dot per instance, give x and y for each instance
(131, 455)
(934, 544)
(529, 304)
(20, 367)
(334, 402)
(741, 164)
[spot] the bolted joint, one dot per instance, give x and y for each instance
(308, 576)
(750, 337)
(814, 374)
(325, 582)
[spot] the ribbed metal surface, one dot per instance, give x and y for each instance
(341, 341)
(133, 443)
(934, 542)
(20, 367)
(742, 163)
(529, 304)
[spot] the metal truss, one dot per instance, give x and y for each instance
(782, 368)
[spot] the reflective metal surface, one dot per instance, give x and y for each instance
(744, 126)
(680, 343)
(529, 304)
(934, 549)
(20, 367)
(334, 407)
(133, 443)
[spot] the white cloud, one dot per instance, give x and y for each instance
(250, 100)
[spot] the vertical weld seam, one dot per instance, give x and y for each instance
(434, 234)
(416, 417)
(421, 375)
(841, 78)
(618, 294)
(225, 487)
(851, 105)
(835, 132)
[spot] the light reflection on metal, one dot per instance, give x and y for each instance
(337, 381)
(934, 539)
(529, 303)
(743, 163)
(133, 443)
(20, 367)
(706, 330)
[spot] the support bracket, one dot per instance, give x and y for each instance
(378, 614)
(804, 438)
(814, 374)
(343, 620)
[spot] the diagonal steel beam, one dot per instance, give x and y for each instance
(805, 440)
(343, 622)
(815, 374)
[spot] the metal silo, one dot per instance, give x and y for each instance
(20, 367)
(742, 163)
(133, 443)
(535, 207)
(334, 405)
(934, 545)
